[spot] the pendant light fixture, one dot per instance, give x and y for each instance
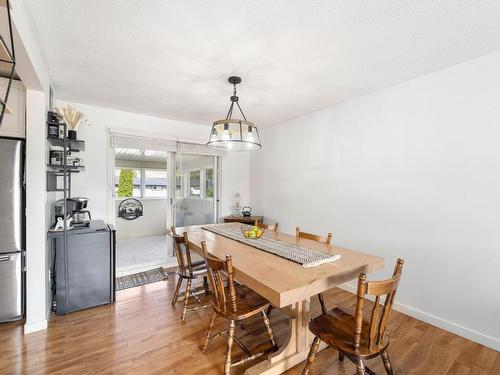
(233, 134)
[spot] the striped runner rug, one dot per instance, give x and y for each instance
(141, 278)
(306, 257)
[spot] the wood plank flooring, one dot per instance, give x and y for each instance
(142, 334)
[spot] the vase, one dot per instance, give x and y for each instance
(72, 134)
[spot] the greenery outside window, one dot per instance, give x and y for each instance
(127, 183)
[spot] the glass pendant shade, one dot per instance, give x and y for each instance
(237, 135)
(232, 134)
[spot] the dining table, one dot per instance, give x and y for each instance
(287, 285)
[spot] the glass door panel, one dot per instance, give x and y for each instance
(194, 199)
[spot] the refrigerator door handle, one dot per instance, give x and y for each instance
(6, 258)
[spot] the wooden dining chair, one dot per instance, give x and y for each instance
(269, 227)
(353, 337)
(234, 303)
(188, 270)
(315, 237)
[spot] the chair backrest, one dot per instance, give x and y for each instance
(216, 270)
(380, 314)
(182, 252)
(314, 237)
(269, 227)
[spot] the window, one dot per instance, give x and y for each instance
(209, 183)
(194, 183)
(127, 183)
(140, 183)
(155, 183)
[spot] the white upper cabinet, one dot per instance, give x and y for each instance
(14, 124)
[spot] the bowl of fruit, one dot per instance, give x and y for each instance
(252, 231)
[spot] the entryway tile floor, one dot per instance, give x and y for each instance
(143, 253)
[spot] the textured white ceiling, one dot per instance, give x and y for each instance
(172, 58)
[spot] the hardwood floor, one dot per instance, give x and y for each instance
(142, 334)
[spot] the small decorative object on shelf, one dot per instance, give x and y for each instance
(237, 205)
(130, 209)
(246, 211)
(73, 119)
(53, 130)
(56, 157)
(252, 231)
(53, 126)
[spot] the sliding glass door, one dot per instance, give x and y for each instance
(194, 199)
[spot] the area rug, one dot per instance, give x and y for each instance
(141, 278)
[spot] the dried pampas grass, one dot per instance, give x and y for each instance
(72, 117)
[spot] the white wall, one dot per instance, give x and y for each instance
(411, 171)
(235, 179)
(95, 184)
(152, 223)
(37, 280)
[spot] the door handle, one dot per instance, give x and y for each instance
(5, 258)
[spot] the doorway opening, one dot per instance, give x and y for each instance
(141, 177)
(167, 188)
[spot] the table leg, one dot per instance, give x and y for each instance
(296, 349)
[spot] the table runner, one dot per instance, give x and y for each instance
(306, 257)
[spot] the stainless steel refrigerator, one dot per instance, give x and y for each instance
(11, 229)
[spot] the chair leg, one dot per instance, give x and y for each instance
(210, 327)
(269, 330)
(341, 356)
(186, 300)
(387, 362)
(177, 288)
(360, 367)
(205, 285)
(322, 303)
(230, 338)
(312, 355)
(269, 309)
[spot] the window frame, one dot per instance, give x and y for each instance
(143, 183)
(203, 183)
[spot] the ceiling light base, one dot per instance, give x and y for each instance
(234, 80)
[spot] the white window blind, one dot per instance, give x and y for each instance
(158, 144)
(198, 149)
(142, 143)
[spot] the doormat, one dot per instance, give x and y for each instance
(141, 278)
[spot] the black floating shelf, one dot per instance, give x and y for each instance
(73, 144)
(69, 168)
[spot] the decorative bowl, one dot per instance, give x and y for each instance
(252, 232)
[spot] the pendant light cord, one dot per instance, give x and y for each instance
(230, 112)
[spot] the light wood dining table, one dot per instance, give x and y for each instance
(287, 285)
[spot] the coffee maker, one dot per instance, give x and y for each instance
(76, 209)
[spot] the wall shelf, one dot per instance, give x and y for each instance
(68, 168)
(73, 145)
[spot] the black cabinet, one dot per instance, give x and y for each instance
(85, 268)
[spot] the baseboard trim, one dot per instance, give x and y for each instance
(35, 326)
(435, 321)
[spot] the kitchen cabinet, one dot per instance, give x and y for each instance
(14, 124)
